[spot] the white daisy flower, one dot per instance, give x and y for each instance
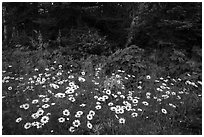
(112, 108)
(134, 100)
(60, 95)
(89, 117)
(35, 123)
(19, 119)
(83, 73)
(110, 104)
(45, 106)
(26, 106)
(122, 121)
(44, 119)
(164, 111)
(45, 100)
(148, 77)
(66, 112)
(122, 96)
(70, 90)
(134, 114)
(121, 111)
(89, 125)
(108, 92)
(81, 79)
(40, 112)
(61, 119)
(10, 88)
(91, 112)
(79, 112)
(76, 123)
(35, 115)
(145, 103)
(173, 93)
(27, 125)
(98, 107)
(129, 98)
(71, 129)
(35, 101)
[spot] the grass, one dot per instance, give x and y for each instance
(49, 100)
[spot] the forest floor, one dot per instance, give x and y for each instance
(58, 98)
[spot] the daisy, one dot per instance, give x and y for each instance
(89, 125)
(66, 112)
(110, 104)
(164, 111)
(173, 93)
(89, 117)
(26, 106)
(98, 107)
(112, 108)
(71, 84)
(45, 106)
(45, 100)
(83, 73)
(35, 123)
(61, 119)
(122, 96)
(44, 119)
(148, 77)
(105, 97)
(134, 100)
(60, 95)
(27, 125)
(108, 92)
(70, 91)
(76, 123)
(79, 112)
(71, 129)
(145, 103)
(121, 111)
(40, 112)
(101, 99)
(35, 115)
(10, 88)
(91, 112)
(129, 98)
(122, 121)
(18, 120)
(81, 79)
(134, 114)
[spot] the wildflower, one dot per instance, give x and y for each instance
(129, 98)
(139, 87)
(89, 117)
(82, 105)
(76, 123)
(173, 93)
(121, 111)
(45, 106)
(18, 120)
(81, 79)
(128, 108)
(72, 99)
(35, 115)
(134, 114)
(145, 103)
(165, 96)
(66, 112)
(139, 109)
(122, 121)
(61, 119)
(134, 100)
(44, 119)
(91, 112)
(112, 108)
(101, 99)
(172, 105)
(26, 106)
(108, 92)
(79, 112)
(35, 123)
(27, 125)
(45, 100)
(164, 111)
(10, 88)
(83, 73)
(35, 101)
(71, 77)
(167, 92)
(122, 96)
(69, 91)
(89, 125)
(60, 95)
(71, 129)
(110, 104)
(40, 112)
(148, 77)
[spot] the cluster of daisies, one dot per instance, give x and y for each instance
(59, 87)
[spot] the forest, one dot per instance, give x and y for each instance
(101, 68)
